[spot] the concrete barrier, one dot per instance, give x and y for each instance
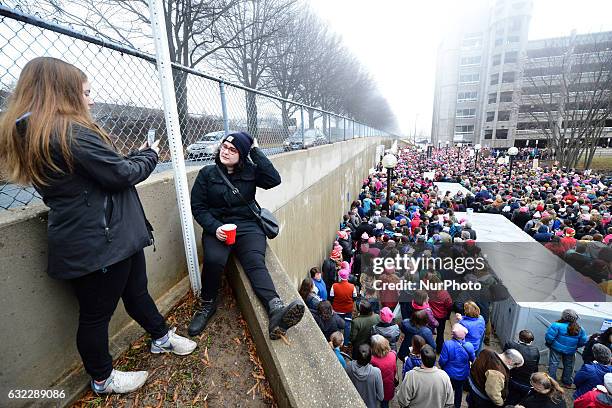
(40, 314)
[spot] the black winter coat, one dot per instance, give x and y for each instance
(530, 354)
(95, 216)
(212, 201)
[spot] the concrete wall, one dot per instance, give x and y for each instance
(40, 314)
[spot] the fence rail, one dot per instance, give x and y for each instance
(128, 104)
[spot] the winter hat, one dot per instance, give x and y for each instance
(570, 232)
(344, 273)
(365, 236)
(386, 315)
(569, 315)
(459, 331)
(380, 226)
(371, 240)
(342, 234)
(601, 354)
(242, 141)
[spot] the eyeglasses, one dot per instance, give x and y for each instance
(230, 149)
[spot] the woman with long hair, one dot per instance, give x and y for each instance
(96, 228)
(563, 337)
(328, 321)
(545, 393)
(306, 292)
(217, 207)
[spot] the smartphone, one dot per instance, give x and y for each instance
(151, 137)
(21, 123)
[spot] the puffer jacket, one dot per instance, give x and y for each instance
(390, 331)
(476, 327)
(95, 216)
(456, 357)
(589, 376)
(558, 339)
(212, 201)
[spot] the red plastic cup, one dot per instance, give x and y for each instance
(230, 233)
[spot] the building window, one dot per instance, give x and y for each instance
(496, 59)
(501, 134)
(470, 60)
(515, 25)
(507, 78)
(493, 97)
(467, 96)
(490, 116)
(488, 134)
(503, 116)
(499, 41)
(505, 96)
(471, 42)
(513, 39)
(495, 79)
(466, 78)
(466, 113)
(464, 129)
(510, 56)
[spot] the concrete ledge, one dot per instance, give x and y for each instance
(305, 373)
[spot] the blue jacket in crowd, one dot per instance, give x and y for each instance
(411, 362)
(476, 327)
(589, 377)
(321, 289)
(409, 332)
(455, 358)
(558, 339)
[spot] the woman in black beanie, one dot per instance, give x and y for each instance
(214, 206)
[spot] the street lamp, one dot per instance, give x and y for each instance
(513, 151)
(477, 148)
(389, 162)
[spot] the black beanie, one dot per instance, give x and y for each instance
(241, 141)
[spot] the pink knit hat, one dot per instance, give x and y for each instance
(459, 331)
(344, 274)
(386, 315)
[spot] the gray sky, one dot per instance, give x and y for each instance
(397, 41)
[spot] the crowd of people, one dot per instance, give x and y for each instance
(426, 347)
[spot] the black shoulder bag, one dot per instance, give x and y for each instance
(266, 219)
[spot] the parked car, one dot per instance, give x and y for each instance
(312, 137)
(206, 146)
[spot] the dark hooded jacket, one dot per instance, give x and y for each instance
(95, 216)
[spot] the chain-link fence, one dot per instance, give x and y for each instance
(126, 91)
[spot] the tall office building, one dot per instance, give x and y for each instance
(488, 76)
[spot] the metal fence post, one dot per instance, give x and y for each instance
(344, 129)
(224, 107)
(329, 127)
(302, 126)
(164, 69)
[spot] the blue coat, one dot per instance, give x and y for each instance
(558, 339)
(411, 362)
(409, 332)
(476, 327)
(322, 290)
(455, 358)
(589, 376)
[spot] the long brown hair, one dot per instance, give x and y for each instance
(51, 90)
(555, 392)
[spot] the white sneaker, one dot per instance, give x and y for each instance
(176, 344)
(122, 382)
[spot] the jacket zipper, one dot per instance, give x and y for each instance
(105, 222)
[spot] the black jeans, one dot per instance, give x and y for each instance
(98, 294)
(458, 390)
(440, 334)
(250, 249)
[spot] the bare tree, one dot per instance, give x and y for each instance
(194, 29)
(248, 56)
(567, 94)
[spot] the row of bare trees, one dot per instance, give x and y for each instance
(567, 95)
(279, 46)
